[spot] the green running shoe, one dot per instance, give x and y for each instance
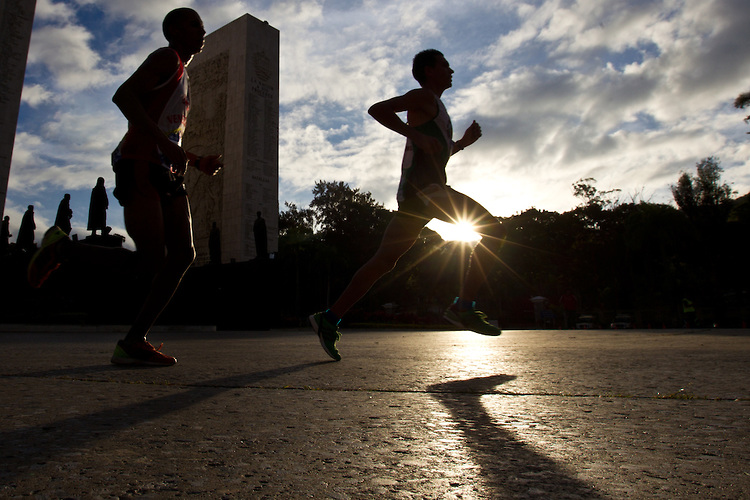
(328, 334)
(471, 319)
(46, 259)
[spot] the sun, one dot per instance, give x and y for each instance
(462, 231)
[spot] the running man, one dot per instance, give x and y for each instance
(149, 165)
(423, 195)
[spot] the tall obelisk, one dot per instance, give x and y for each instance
(16, 19)
(234, 111)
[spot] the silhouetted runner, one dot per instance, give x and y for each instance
(423, 195)
(149, 165)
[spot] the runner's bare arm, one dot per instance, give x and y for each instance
(155, 70)
(420, 107)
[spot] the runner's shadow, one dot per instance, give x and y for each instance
(511, 468)
(24, 448)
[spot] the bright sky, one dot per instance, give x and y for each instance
(629, 92)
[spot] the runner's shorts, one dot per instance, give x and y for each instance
(427, 203)
(133, 176)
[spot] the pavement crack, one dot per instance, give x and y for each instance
(681, 396)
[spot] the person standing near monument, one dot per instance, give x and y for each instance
(149, 165)
(5, 236)
(423, 195)
(25, 240)
(98, 208)
(260, 233)
(64, 214)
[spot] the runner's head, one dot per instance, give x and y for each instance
(422, 60)
(183, 29)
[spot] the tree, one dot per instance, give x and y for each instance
(684, 194)
(742, 101)
(704, 191)
(321, 246)
(343, 213)
(595, 202)
(295, 222)
(707, 203)
(711, 192)
(592, 196)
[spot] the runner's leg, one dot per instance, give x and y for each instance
(398, 238)
(162, 233)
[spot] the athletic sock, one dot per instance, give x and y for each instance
(464, 305)
(331, 318)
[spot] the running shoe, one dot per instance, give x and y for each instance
(141, 353)
(471, 319)
(328, 334)
(46, 259)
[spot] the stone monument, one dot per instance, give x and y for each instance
(234, 111)
(16, 19)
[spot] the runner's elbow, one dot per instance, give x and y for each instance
(377, 110)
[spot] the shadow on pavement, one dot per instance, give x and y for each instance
(22, 450)
(510, 467)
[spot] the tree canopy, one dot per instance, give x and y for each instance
(703, 196)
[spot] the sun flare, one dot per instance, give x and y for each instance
(462, 231)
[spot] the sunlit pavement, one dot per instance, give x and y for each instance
(405, 414)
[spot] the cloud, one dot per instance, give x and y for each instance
(138, 11)
(36, 94)
(66, 56)
(46, 10)
(67, 152)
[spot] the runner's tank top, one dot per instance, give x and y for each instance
(168, 105)
(418, 169)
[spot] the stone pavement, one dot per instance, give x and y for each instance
(405, 414)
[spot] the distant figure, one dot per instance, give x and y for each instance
(5, 236)
(423, 195)
(214, 244)
(261, 238)
(98, 208)
(569, 303)
(64, 214)
(25, 239)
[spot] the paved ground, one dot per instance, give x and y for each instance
(531, 414)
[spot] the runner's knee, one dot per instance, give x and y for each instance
(384, 262)
(151, 262)
(183, 257)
